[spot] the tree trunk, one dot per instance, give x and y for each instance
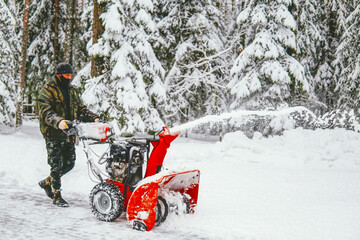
(96, 61)
(73, 29)
(56, 32)
(21, 83)
(69, 33)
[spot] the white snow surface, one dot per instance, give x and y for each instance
(300, 186)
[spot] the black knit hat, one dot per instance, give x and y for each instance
(64, 68)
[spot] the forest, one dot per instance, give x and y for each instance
(147, 63)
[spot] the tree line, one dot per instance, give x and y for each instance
(150, 62)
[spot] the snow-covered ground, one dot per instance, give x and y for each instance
(302, 185)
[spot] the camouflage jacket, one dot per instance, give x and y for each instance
(51, 108)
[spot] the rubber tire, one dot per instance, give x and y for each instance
(187, 203)
(162, 210)
(106, 202)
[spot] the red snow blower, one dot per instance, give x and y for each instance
(146, 197)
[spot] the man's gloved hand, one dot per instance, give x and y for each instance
(63, 125)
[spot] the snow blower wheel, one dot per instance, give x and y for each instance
(162, 211)
(106, 201)
(187, 204)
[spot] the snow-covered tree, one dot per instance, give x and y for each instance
(348, 59)
(9, 50)
(130, 87)
(312, 51)
(56, 35)
(192, 49)
(332, 24)
(230, 9)
(87, 19)
(266, 73)
(83, 43)
(322, 69)
(41, 63)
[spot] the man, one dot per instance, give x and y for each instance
(58, 103)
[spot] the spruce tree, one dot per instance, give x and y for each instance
(9, 50)
(56, 35)
(83, 43)
(192, 49)
(130, 87)
(327, 74)
(311, 43)
(42, 54)
(347, 60)
(266, 73)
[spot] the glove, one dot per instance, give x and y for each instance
(63, 125)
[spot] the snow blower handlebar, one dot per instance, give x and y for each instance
(97, 131)
(101, 131)
(70, 130)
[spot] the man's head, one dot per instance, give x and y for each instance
(64, 73)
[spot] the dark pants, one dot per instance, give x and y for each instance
(61, 158)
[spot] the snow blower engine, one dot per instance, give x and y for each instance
(122, 156)
(146, 196)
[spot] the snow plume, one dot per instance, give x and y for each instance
(269, 122)
(132, 83)
(275, 121)
(264, 74)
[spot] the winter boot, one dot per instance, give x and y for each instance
(46, 185)
(58, 200)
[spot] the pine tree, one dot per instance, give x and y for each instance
(56, 35)
(83, 43)
(192, 49)
(79, 35)
(46, 49)
(9, 50)
(312, 53)
(347, 61)
(265, 73)
(326, 77)
(130, 87)
(230, 10)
